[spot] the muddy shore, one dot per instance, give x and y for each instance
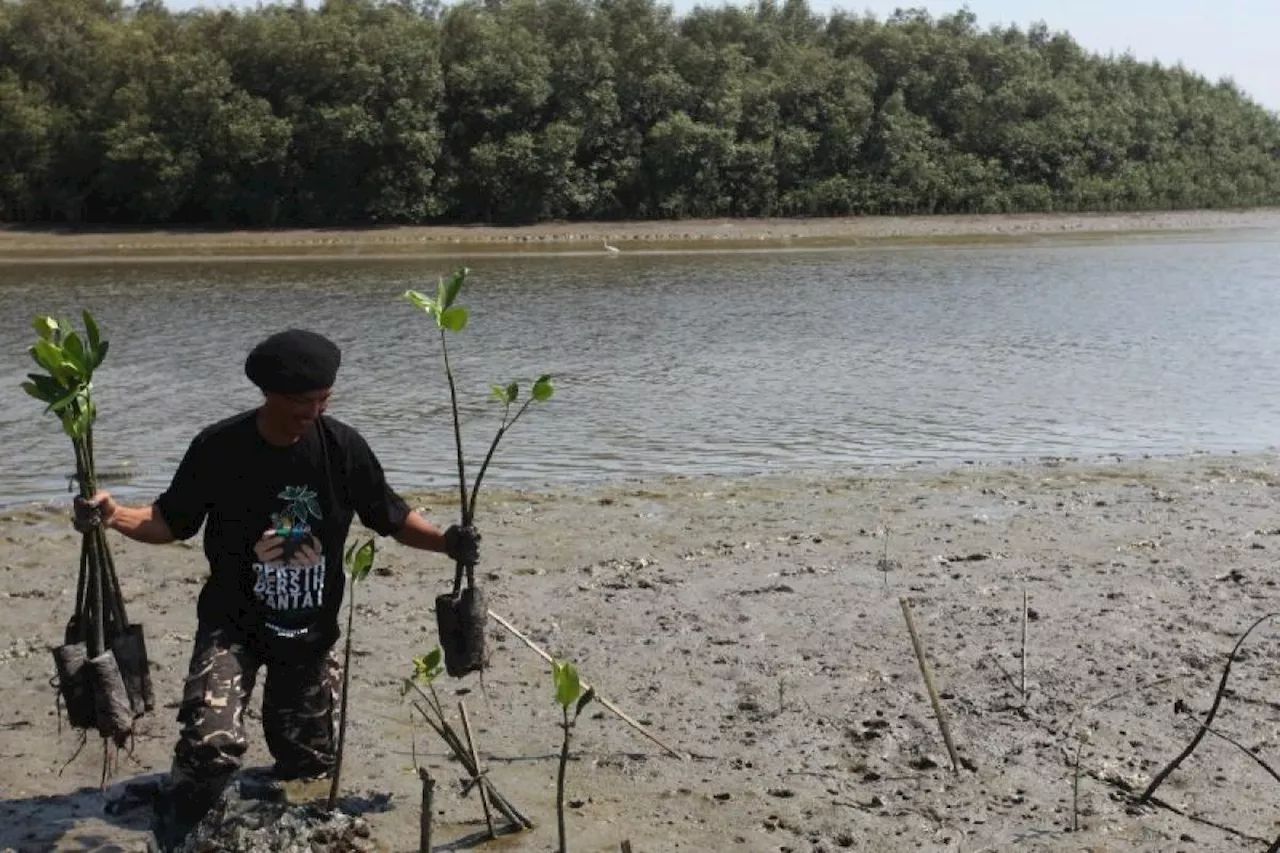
(29, 245)
(756, 624)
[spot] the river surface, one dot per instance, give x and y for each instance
(693, 363)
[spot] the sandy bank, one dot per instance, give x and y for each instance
(46, 245)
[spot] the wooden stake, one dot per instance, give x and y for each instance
(424, 821)
(626, 846)
(603, 701)
(928, 683)
(475, 762)
(1024, 647)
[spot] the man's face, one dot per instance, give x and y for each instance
(295, 413)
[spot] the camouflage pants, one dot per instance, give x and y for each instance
(299, 707)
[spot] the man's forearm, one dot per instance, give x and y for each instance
(141, 524)
(419, 533)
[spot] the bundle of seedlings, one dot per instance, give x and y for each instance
(461, 614)
(103, 677)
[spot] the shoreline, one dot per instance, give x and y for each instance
(31, 245)
(444, 495)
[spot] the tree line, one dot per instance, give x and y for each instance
(509, 111)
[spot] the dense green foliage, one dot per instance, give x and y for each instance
(381, 111)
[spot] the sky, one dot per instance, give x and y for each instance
(1223, 38)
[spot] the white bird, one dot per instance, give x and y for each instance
(613, 250)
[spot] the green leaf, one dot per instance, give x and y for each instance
(49, 356)
(425, 303)
(48, 389)
(499, 393)
(454, 319)
(91, 329)
(73, 349)
(568, 687)
(449, 292)
(426, 668)
(360, 560)
(432, 659)
(46, 327)
(34, 390)
(513, 392)
(101, 354)
(57, 406)
(544, 388)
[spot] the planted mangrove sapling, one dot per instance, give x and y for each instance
(569, 693)
(358, 560)
(461, 615)
(426, 669)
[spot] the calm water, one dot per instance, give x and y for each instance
(694, 363)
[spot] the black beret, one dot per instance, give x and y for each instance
(293, 362)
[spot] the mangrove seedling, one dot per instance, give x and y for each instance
(426, 669)
(358, 561)
(569, 693)
(452, 317)
(461, 615)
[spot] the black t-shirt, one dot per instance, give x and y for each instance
(244, 490)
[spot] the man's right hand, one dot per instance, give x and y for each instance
(92, 512)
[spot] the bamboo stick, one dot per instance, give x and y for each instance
(929, 685)
(585, 686)
(475, 762)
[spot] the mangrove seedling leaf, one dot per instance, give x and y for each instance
(543, 389)
(360, 560)
(568, 687)
(100, 354)
(499, 393)
(91, 330)
(48, 389)
(34, 390)
(73, 349)
(60, 404)
(432, 660)
(453, 288)
(454, 319)
(425, 303)
(46, 327)
(513, 392)
(426, 668)
(49, 356)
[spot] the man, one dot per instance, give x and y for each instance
(275, 489)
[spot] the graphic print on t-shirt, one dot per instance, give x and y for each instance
(289, 573)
